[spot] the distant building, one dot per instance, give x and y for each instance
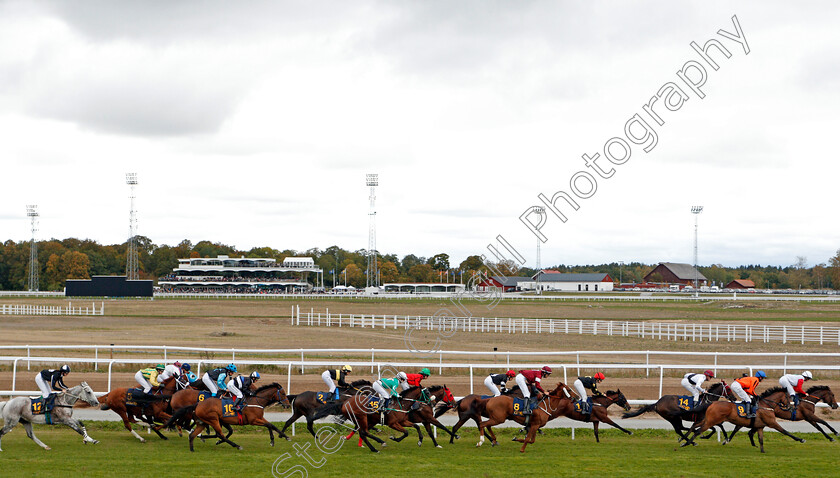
(676, 273)
(507, 284)
(242, 275)
(568, 282)
(423, 287)
(741, 284)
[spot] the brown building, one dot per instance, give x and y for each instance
(676, 273)
(741, 284)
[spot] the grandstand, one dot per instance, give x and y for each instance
(243, 275)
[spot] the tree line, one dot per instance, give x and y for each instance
(59, 260)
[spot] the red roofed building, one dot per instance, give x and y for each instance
(741, 284)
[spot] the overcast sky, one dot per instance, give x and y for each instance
(254, 125)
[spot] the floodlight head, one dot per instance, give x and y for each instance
(696, 209)
(372, 179)
(32, 210)
(131, 178)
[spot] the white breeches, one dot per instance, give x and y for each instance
(147, 387)
(488, 382)
(738, 390)
(211, 384)
(523, 385)
(784, 383)
(692, 389)
(44, 386)
(383, 393)
(232, 387)
(581, 391)
(328, 380)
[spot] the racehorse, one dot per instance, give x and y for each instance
(718, 412)
(154, 409)
(668, 407)
(466, 408)
(499, 409)
(20, 409)
(598, 414)
(358, 410)
(303, 404)
(210, 413)
(407, 414)
(806, 410)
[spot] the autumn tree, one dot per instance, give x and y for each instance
(834, 270)
(389, 272)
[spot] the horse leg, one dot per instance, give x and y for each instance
(398, 427)
(295, 415)
(678, 427)
(420, 434)
(595, 424)
(772, 423)
(530, 437)
(734, 431)
(127, 424)
(815, 421)
(606, 419)
(28, 426)
(79, 427)
(761, 438)
(461, 421)
(434, 421)
(218, 427)
(703, 426)
(428, 426)
(751, 434)
(7, 427)
(199, 427)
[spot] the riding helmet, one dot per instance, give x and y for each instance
(65, 368)
(510, 373)
(185, 367)
(347, 368)
(255, 375)
(599, 376)
(807, 375)
(160, 366)
(546, 370)
(425, 371)
(231, 368)
(709, 374)
(760, 374)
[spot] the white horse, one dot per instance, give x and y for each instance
(20, 410)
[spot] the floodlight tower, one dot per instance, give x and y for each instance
(132, 267)
(540, 210)
(372, 180)
(696, 210)
(32, 213)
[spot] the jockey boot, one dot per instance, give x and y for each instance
(527, 410)
(238, 403)
(336, 396)
(49, 402)
(794, 399)
(415, 406)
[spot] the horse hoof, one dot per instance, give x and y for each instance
(287, 438)
(477, 445)
(142, 440)
(45, 448)
(438, 446)
(801, 440)
(419, 443)
(629, 432)
(272, 443)
(457, 437)
(239, 448)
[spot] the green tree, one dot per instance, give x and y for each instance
(834, 270)
(355, 276)
(389, 272)
(422, 273)
(439, 262)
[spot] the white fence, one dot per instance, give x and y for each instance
(69, 309)
(696, 332)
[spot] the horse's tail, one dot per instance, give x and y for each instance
(327, 410)
(178, 416)
(636, 413)
(2, 406)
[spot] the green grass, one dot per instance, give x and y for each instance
(647, 453)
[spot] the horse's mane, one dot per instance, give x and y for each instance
(716, 386)
(817, 388)
(410, 389)
(266, 387)
(360, 383)
(612, 392)
(771, 391)
(435, 388)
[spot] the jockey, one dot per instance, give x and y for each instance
(173, 370)
(582, 383)
(241, 386)
(495, 381)
(148, 377)
(413, 379)
(793, 383)
(215, 379)
(693, 383)
(338, 375)
(744, 388)
(387, 388)
(50, 380)
(527, 377)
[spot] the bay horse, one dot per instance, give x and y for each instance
(500, 409)
(806, 410)
(668, 407)
(156, 408)
(406, 414)
(356, 409)
(598, 414)
(467, 410)
(209, 413)
(20, 410)
(305, 403)
(719, 412)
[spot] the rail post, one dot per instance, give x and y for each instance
(471, 379)
(27, 357)
(301, 362)
(96, 357)
(440, 362)
(647, 364)
(14, 374)
(110, 366)
(371, 359)
(661, 378)
(289, 379)
(715, 369)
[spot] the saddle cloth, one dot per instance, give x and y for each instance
(38, 406)
(742, 408)
(686, 402)
(373, 404)
(135, 397)
(204, 395)
(584, 406)
(519, 405)
(323, 397)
